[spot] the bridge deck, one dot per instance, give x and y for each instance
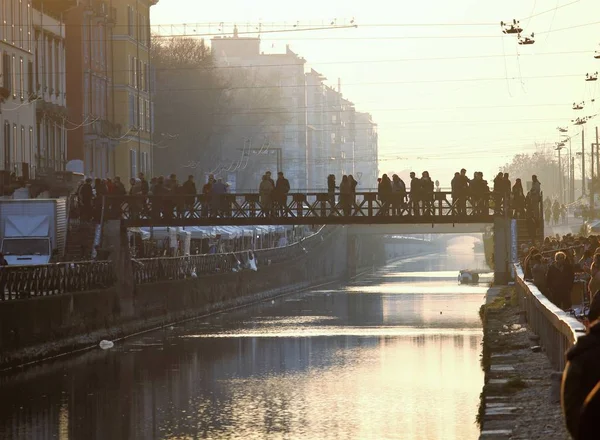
(299, 209)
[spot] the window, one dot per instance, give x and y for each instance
(131, 71)
(14, 76)
(22, 152)
(57, 68)
(1, 63)
(131, 110)
(133, 162)
(28, 26)
(2, 20)
(20, 14)
(14, 20)
(21, 79)
(130, 21)
(7, 145)
(143, 76)
(151, 117)
(147, 115)
(14, 148)
(135, 72)
(30, 73)
(101, 44)
(31, 147)
(85, 39)
(86, 94)
(139, 109)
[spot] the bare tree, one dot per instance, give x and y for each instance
(542, 163)
(207, 117)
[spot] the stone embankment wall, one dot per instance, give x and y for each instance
(36, 328)
(519, 398)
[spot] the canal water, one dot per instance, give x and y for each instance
(392, 356)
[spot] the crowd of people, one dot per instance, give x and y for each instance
(554, 212)
(558, 266)
(469, 195)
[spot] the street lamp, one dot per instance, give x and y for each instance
(559, 147)
(565, 138)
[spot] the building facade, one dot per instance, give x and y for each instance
(92, 131)
(48, 90)
(279, 80)
(17, 111)
(366, 151)
(133, 82)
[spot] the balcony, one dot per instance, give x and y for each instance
(54, 6)
(104, 129)
(112, 16)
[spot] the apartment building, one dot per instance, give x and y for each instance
(133, 81)
(279, 74)
(318, 138)
(347, 132)
(47, 89)
(17, 112)
(366, 151)
(92, 132)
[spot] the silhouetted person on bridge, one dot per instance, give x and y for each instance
(454, 185)
(398, 195)
(346, 195)
(331, 190)
(506, 194)
(217, 197)
(536, 196)
(189, 189)
(266, 189)
(282, 188)
(518, 200)
(384, 193)
(498, 193)
(415, 194)
(427, 193)
(206, 191)
(463, 192)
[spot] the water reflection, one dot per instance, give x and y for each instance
(389, 357)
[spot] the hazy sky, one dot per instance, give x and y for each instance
(444, 96)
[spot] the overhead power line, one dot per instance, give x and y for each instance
(549, 10)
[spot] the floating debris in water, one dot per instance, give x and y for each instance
(105, 345)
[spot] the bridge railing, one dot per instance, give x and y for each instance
(22, 282)
(558, 330)
(315, 207)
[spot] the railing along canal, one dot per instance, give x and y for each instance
(558, 330)
(149, 270)
(23, 282)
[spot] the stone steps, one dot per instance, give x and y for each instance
(499, 416)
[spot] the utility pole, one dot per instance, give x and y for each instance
(582, 162)
(591, 188)
(561, 195)
(597, 156)
(572, 179)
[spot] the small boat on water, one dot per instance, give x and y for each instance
(468, 277)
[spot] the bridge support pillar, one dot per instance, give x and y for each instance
(352, 255)
(503, 241)
(115, 239)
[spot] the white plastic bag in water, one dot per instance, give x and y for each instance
(252, 262)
